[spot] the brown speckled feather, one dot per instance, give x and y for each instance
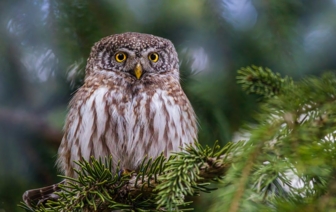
(118, 113)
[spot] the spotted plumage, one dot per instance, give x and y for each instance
(131, 104)
(114, 113)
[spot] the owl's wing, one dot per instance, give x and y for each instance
(41, 195)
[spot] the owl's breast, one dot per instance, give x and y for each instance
(152, 123)
(127, 126)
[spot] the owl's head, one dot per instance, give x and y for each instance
(134, 55)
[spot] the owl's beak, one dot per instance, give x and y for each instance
(138, 71)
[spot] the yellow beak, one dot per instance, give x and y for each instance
(138, 71)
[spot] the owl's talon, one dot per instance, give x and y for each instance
(124, 172)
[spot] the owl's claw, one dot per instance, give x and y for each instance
(124, 172)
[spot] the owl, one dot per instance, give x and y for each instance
(131, 105)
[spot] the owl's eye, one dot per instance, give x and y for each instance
(120, 57)
(154, 57)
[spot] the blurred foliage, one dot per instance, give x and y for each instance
(261, 81)
(44, 45)
(288, 161)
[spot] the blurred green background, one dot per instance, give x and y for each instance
(44, 45)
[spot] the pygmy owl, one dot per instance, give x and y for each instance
(131, 104)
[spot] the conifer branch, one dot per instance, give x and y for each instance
(261, 81)
(160, 185)
(294, 141)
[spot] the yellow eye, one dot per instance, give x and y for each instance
(120, 57)
(154, 57)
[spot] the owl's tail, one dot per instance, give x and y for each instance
(41, 195)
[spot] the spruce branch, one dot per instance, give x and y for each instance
(160, 185)
(261, 81)
(185, 172)
(288, 162)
